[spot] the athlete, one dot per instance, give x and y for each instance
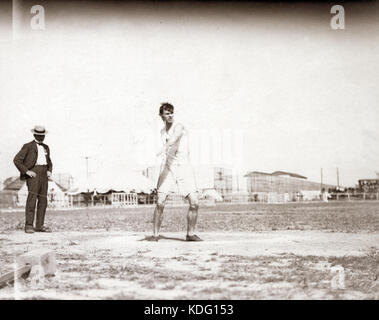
(176, 173)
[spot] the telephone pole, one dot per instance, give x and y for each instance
(321, 179)
(338, 178)
(87, 172)
(86, 167)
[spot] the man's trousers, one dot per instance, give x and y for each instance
(37, 188)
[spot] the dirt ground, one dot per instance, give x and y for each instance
(283, 264)
(250, 251)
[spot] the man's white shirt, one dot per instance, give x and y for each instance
(41, 159)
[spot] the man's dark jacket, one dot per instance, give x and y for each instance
(26, 158)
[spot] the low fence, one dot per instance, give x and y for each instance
(65, 201)
(119, 200)
(18, 201)
(353, 196)
(124, 199)
(236, 198)
(271, 197)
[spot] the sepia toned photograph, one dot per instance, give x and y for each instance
(189, 150)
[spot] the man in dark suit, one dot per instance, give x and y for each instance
(35, 166)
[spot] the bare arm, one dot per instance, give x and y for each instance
(177, 134)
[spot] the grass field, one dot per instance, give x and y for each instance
(336, 217)
(257, 251)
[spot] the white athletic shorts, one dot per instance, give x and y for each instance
(177, 178)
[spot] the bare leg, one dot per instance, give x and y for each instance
(193, 199)
(158, 213)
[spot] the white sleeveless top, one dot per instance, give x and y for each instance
(181, 155)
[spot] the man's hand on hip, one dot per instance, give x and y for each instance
(31, 174)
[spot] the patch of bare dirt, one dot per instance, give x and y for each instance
(226, 265)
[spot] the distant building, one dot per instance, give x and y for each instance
(17, 188)
(8, 199)
(368, 185)
(13, 183)
(280, 182)
(65, 180)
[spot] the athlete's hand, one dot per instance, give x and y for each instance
(48, 174)
(31, 174)
(160, 152)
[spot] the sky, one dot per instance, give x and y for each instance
(260, 87)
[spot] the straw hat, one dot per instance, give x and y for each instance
(40, 130)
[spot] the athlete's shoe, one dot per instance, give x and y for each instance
(193, 238)
(152, 238)
(43, 229)
(29, 229)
